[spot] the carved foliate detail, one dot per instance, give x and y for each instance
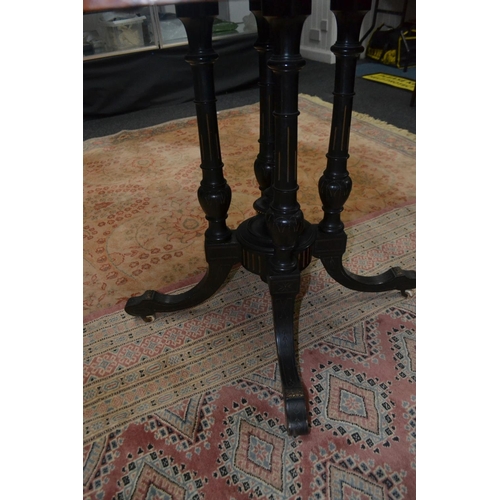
(333, 193)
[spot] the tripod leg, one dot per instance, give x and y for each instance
(285, 220)
(214, 195)
(220, 258)
(330, 249)
(335, 183)
(284, 290)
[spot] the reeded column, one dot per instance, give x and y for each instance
(284, 217)
(214, 194)
(264, 164)
(335, 183)
(285, 220)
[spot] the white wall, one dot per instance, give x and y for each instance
(238, 9)
(320, 29)
(319, 33)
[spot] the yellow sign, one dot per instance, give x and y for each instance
(395, 81)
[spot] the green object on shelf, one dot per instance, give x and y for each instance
(221, 26)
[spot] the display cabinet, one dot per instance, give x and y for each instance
(112, 33)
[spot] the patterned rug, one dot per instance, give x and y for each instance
(143, 227)
(178, 409)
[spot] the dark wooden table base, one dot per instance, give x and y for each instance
(277, 243)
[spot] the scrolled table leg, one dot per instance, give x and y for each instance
(214, 194)
(285, 221)
(284, 290)
(335, 183)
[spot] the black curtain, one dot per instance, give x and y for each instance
(121, 84)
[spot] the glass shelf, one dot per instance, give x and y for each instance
(113, 33)
(117, 32)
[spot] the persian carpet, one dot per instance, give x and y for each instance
(143, 227)
(190, 406)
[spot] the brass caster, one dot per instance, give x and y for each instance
(407, 293)
(149, 318)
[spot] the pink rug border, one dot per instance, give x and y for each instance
(195, 279)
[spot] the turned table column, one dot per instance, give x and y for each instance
(335, 184)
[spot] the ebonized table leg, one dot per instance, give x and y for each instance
(214, 195)
(277, 243)
(264, 164)
(335, 183)
(284, 218)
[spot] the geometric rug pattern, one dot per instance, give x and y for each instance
(190, 406)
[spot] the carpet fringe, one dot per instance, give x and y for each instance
(315, 99)
(366, 118)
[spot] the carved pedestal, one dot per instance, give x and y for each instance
(277, 243)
